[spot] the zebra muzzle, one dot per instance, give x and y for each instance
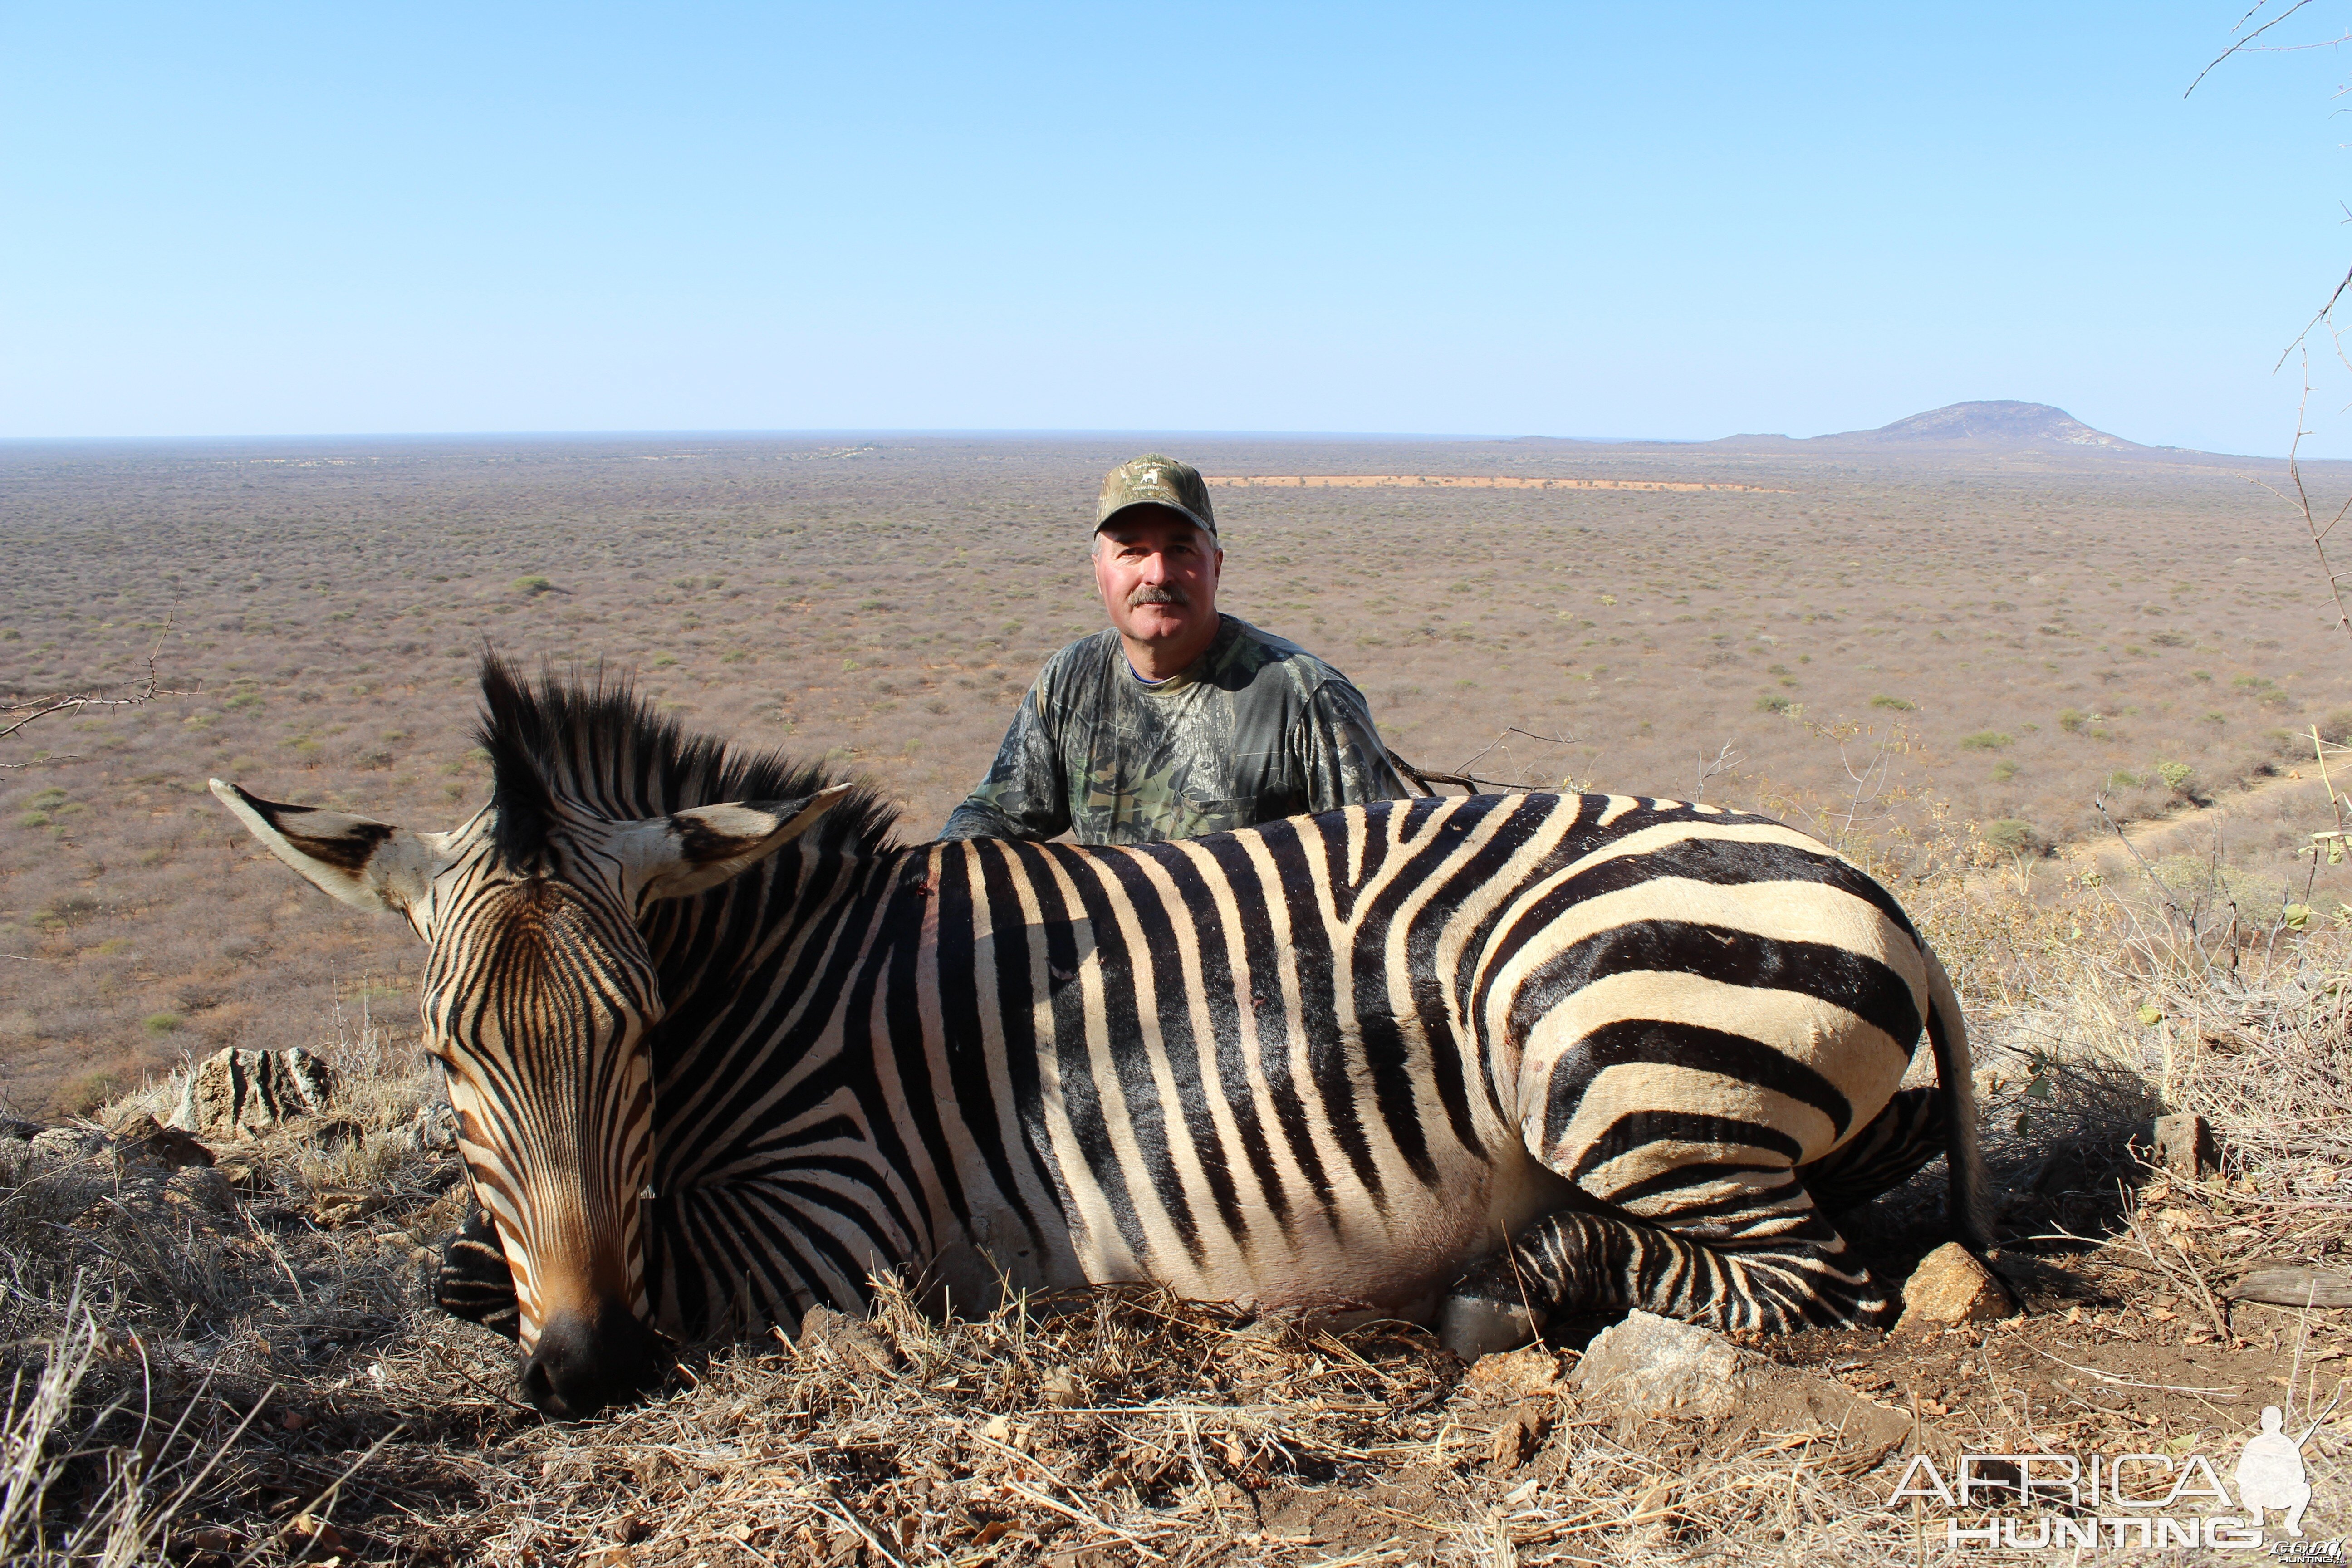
(585, 1361)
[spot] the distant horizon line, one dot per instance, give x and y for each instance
(938, 432)
(20, 442)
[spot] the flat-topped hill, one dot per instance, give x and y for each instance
(1999, 424)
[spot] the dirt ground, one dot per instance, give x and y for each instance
(1127, 1428)
(1873, 646)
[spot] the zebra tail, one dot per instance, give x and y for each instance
(1971, 1200)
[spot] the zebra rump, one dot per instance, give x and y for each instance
(1474, 1061)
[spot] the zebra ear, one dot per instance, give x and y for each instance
(368, 865)
(688, 852)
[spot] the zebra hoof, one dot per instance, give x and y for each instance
(1473, 1326)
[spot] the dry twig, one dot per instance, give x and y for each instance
(31, 711)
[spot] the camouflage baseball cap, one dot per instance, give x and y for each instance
(1154, 480)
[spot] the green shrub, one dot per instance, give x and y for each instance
(1899, 704)
(161, 1023)
(67, 910)
(2014, 835)
(2196, 879)
(533, 586)
(2072, 720)
(1772, 702)
(1986, 741)
(2178, 777)
(2120, 779)
(2003, 771)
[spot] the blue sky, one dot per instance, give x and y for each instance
(1559, 219)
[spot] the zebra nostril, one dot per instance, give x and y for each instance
(538, 1387)
(583, 1362)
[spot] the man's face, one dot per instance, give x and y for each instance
(1157, 571)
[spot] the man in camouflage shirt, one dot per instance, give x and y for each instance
(1177, 720)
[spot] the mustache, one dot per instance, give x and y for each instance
(1157, 593)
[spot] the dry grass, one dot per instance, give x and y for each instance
(149, 1322)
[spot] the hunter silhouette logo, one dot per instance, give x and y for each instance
(2269, 1472)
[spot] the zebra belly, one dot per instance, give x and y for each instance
(1352, 1259)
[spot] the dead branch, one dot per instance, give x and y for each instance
(1725, 761)
(24, 711)
(1463, 778)
(2246, 43)
(2301, 499)
(2188, 921)
(1869, 782)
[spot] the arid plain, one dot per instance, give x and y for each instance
(2005, 632)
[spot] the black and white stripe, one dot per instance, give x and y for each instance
(1474, 1060)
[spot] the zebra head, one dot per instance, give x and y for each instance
(538, 991)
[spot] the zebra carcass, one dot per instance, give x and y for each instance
(721, 1050)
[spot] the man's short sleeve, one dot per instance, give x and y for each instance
(1025, 794)
(1345, 761)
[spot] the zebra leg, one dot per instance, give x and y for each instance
(1779, 1267)
(1898, 1142)
(474, 1281)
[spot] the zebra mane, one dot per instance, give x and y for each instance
(590, 745)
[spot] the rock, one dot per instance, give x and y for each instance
(1951, 1287)
(148, 1141)
(240, 1092)
(335, 1209)
(1520, 1434)
(1652, 1365)
(432, 1131)
(855, 1345)
(2184, 1145)
(437, 1127)
(74, 1142)
(1513, 1375)
(2295, 1287)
